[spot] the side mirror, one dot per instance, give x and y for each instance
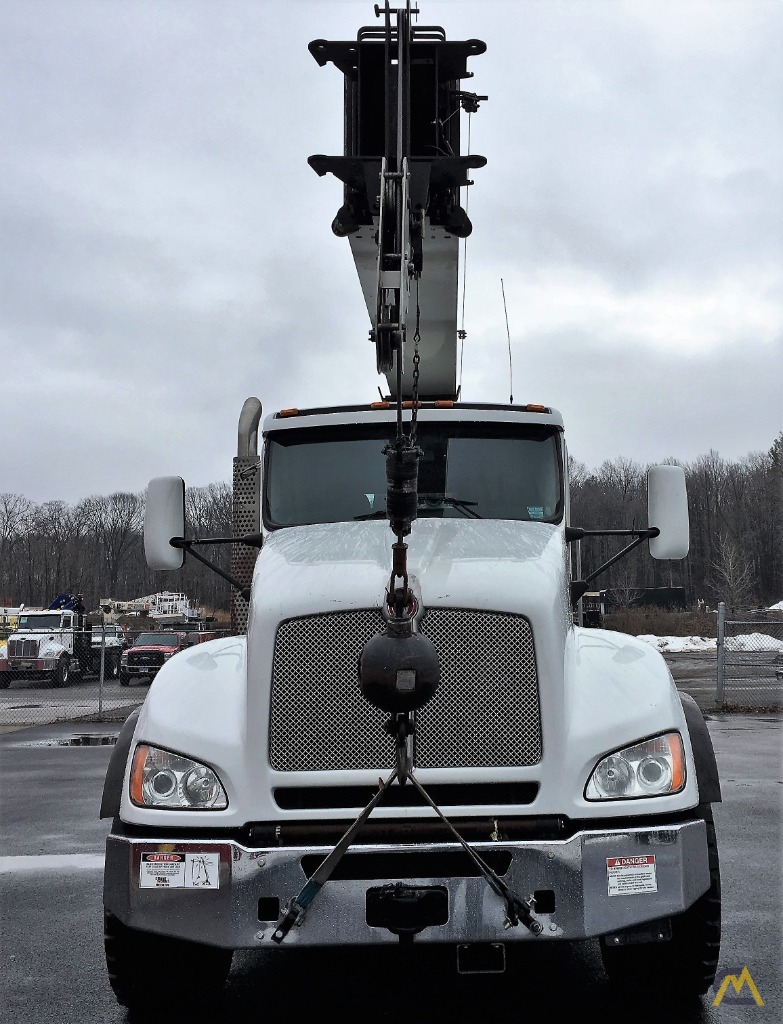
(667, 509)
(164, 518)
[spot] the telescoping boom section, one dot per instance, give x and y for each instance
(402, 171)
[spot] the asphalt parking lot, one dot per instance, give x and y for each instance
(51, 856)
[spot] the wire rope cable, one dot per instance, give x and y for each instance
(464, 275)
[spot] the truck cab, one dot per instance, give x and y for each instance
(564, 758)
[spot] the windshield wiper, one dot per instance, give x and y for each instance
(379, 513)
(444, 501)
(433, 501)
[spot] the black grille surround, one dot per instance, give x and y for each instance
(145, 658)
(485, 714)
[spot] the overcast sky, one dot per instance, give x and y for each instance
(166, 250)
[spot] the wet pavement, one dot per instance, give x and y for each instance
(52, 969)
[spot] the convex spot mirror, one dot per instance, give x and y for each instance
(667, 508)
(164, 518)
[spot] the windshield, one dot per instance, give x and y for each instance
(468, 470)
(39, 621)
(156, 640)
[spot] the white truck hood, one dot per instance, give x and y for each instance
(212, 701)
(482, 564)
(50, 642)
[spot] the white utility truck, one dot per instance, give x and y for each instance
(55, 645)
(413, 743)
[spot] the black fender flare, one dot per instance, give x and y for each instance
(703, 753)
(115, 773)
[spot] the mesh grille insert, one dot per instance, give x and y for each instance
(484, 714)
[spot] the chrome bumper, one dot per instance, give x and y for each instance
(594, 883)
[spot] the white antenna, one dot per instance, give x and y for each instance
(508, 334)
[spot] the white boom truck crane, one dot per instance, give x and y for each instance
(413, 743)
(56, 645)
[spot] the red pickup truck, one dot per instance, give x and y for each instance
(149, 652)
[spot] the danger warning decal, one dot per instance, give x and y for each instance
(627, 876)
(179, 871)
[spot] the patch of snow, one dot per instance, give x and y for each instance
(680, 644)
(776, 607)
(753, 642)
(690, 644)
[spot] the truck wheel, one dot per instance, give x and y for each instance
(111, 666)
(62, 671)
(124, 678)
(154, 972)
(689, 960)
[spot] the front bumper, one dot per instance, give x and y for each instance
(147, 671)
(31, 664)
(225, 894)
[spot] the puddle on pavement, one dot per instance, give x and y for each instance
(82, 740)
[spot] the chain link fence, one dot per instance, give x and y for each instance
(749, 663)
(747, 674)
(28, 699)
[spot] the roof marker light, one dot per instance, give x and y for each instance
(288, 412)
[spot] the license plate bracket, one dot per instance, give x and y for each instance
(407, 909)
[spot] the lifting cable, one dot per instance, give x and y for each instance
(462, 333)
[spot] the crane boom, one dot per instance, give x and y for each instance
(401, 172)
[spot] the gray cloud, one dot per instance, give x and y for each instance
(167, 249)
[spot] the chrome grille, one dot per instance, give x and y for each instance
(484, 714)
(485, 711)
(23, 648)
(319, 718)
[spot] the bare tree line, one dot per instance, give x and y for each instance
(736, 520)
(736, 511)
(95, 548)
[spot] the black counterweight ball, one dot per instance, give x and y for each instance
(399, 670)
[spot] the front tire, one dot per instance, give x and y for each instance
(124, 678)
(688, 961)
(62, 671)
(111, 666)
(154, 972)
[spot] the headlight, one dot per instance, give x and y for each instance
(162, 779)
(653, 767)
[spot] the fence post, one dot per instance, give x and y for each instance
(103, 667)
(721, 652)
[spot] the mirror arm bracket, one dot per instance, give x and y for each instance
(187, 545)
(579, 587)
(573, 533)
